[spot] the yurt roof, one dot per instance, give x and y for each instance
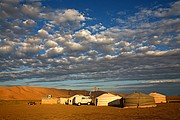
(138, 95)
(105, 95)
(156, 94)
(99, 93)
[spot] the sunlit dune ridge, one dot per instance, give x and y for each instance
(34, 93)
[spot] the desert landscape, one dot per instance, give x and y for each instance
(89, 59)
(169, 111)
(15, 107)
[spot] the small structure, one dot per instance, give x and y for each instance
(49, 100)
(158, 98)
(108, 99)
(139, 100)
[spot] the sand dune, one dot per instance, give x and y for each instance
(34, 93)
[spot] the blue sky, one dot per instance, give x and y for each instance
(121, 46)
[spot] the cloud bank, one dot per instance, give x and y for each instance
(40, 45)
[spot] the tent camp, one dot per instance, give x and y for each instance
(108, 99)
(138, 100)
(159, 98)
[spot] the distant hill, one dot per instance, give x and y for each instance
(35, 93)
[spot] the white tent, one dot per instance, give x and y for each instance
(108, 99)
(71, 99)
(158, 98)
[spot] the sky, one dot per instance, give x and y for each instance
(116, 45)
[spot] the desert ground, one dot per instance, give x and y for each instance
(168, 111)
(14, 106)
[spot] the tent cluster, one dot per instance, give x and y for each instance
(100, 98)
(134, 100)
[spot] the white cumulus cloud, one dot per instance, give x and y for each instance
(29, 23)
(6, 49)
(33, 40)
(43, 33)
(30, 10)
(62, 16)
(73, 46)
(173, 10)
(52, 52)
(51, 43)
(31, 49)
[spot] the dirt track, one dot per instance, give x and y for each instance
(169, 111)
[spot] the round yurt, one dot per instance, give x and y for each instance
(138, 100)
(159, 98)
(108, 99)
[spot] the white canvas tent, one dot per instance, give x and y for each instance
(138, 100)
(159, 98)
(108, 99)
(71, 99)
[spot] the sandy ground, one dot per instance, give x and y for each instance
(168, 111)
